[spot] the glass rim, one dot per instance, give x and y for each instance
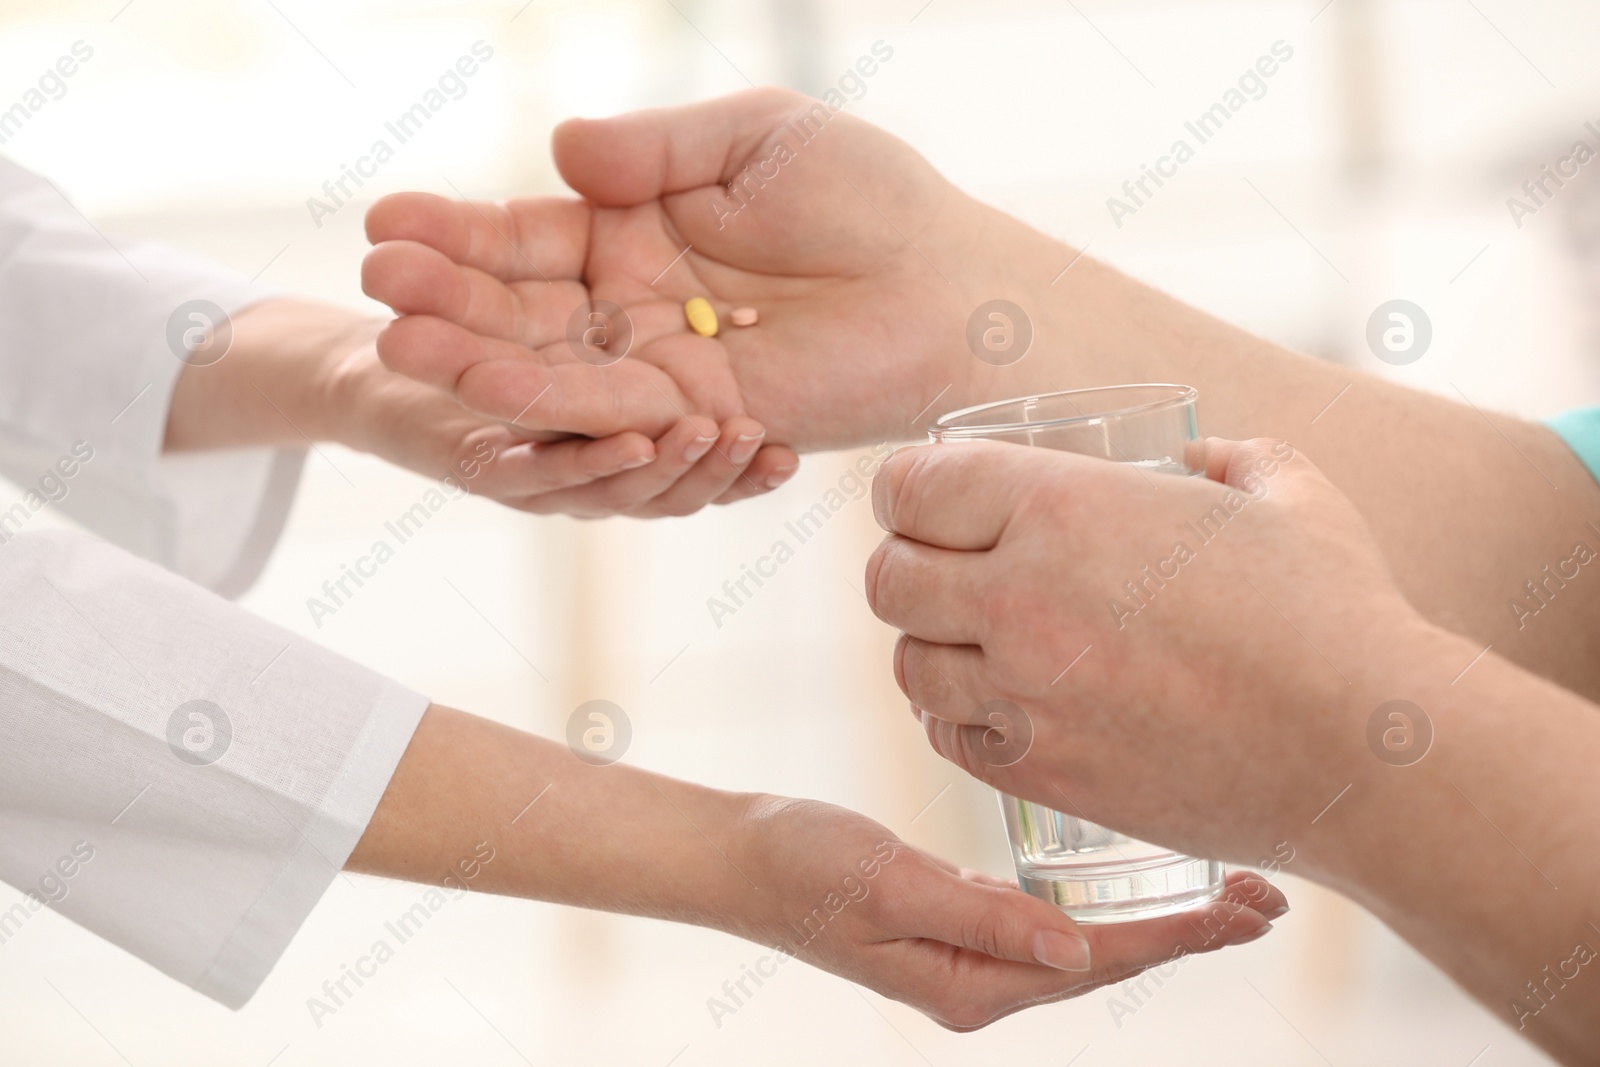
(945, 426)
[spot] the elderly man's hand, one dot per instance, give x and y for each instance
(1197, 658)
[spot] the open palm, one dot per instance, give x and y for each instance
(849, 245)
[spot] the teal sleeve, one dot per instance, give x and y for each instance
(1580, 429)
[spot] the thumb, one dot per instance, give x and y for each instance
(645, 155)
(1005, 923)
(1244, 465)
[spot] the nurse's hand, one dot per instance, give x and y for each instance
(1198, 659)
(862, 261)
(843, 893)
(298, 373)
(811, 881)
(693, 462)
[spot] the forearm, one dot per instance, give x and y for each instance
(1467, 506)
(274, 385)
(613, 837)
(1483, 853)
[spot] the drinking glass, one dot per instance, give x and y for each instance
(1094, 874)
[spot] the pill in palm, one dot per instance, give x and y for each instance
(743, 316)
(701, 315)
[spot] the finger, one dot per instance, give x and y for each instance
(533, 239)
(415, 279)
(1243, 464)
(530, 468)
(949, 682)
(930, 592)
(1260, 895)
(642, 156)
(1001, 922)
(984, 987)
(1119, 949)
(984, 878)
(773, 466)
(991, 750)
(712, 476)
(1007, 924)
(677, 451)
(958, 496)
(509, 382)
(986, 951)
(1132, 946)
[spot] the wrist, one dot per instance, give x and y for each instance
(1042, 276)
(333, 361)
(347, 384)
(1092, 324)
(1389, 759)
(803, 854)
(275, 386)
(703, 859)
(748, 820)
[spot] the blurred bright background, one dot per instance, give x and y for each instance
(1377, 166)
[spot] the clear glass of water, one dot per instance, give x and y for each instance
(1094, 874)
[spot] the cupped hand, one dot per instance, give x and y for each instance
(858, 256)
(692, 461)
(1189, 660)
(842, 892)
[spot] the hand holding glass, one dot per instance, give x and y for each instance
(1094, 874)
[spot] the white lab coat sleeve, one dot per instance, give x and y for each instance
(178, 776)
(86, 367)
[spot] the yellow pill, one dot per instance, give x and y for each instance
(701, 315)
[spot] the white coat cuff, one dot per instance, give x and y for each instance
(178, 776)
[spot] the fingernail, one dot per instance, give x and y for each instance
(698, 447)
(744, 448)
(1064, 952)
(781, 475)
(1253, 935)
(635, 463)
(1276, 913)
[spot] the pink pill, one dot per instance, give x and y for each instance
(745, 316)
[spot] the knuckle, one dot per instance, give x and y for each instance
(983, 933)
(898, 661)
(1258, 462)
(880, 569)
(911, 679)
(908, 489)
(1254, 446)
(1274, 448)
(395, 346)
(956, 744)
(933, 680)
